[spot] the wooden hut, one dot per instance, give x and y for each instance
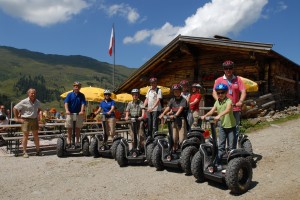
(198, 59)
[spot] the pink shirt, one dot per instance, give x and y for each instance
(235, 86)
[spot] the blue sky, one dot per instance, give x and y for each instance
(142, 28)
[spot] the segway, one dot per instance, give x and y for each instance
(100, 145)
(137, 154)
(61, 147)
(164, 156)
(236, 169)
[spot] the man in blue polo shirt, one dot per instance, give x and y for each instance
(74, 103)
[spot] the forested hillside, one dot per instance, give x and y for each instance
(51, 74)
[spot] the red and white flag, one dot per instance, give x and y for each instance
(112, 42)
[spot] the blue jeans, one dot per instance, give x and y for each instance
(237, 116)
(229, 135)
(152, 122)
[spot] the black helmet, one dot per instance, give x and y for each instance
(176, 87)
(228, 64)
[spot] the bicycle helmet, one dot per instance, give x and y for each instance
(196, 85)
(184, 83)
(176, 87)
(228, 64)
(135, 90)
(152, 80)
(221, 86)
(107, 92)
(77, 83)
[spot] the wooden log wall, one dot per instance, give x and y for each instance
(284, 82)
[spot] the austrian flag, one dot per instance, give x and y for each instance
(112, 42)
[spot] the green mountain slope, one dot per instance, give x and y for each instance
(51, 74)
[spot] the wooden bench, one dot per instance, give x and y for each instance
(13, 139)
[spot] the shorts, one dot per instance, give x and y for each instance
(69, 121)
(30, 124)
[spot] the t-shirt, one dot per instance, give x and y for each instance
(152, 96)
(75, 101)
(106, 106)
(135, 108)
(28, 109)
(228, 120)
(195, 107)
(175, 103)
(235, 86)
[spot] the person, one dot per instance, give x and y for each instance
(107, 107)
(27, 112)
(153, 97)
(227, 128)
(3, 121)
(176, 105)
(236, 90)
(136, 109)
(4, 112)
(194, 105)
(186, 94)
(74, 103)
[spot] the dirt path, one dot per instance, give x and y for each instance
(277, 175)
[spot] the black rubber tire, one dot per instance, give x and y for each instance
(85, 148)
(238, 175)
(60, 151)
(197, 167)
(156, 158)
(150, 148)
(114, 147)
(94, 148)
(247, 146)
(120, 156)
(186, 158)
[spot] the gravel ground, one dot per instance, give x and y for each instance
(276, 176)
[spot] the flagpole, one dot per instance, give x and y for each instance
(114, 52)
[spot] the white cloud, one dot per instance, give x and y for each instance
(220, 17)
(122, 10)
(43, 12)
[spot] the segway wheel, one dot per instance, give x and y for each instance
(247, 146)
(85, 148)
(186, 159)
(60, 151)
(156, 158)
(149, 151)
(120, 156)
(197, 167)
(94, 148)
(114, 147)
(238, 175)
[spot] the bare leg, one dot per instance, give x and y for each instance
(24, 141)
(69, 135)
(36, 140)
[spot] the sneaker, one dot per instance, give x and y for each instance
(25, 155)
(224, 171)
(39, 153)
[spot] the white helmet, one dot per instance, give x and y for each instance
(135, 90)
(107, 92)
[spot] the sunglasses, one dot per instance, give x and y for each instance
(220, 93)
(228, 68)
(106, 94)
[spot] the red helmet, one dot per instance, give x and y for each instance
(153, 79)
(176, 87)
(184, 83)
(228, 64)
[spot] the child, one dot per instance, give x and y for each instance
(227, 130)
(176, 105)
